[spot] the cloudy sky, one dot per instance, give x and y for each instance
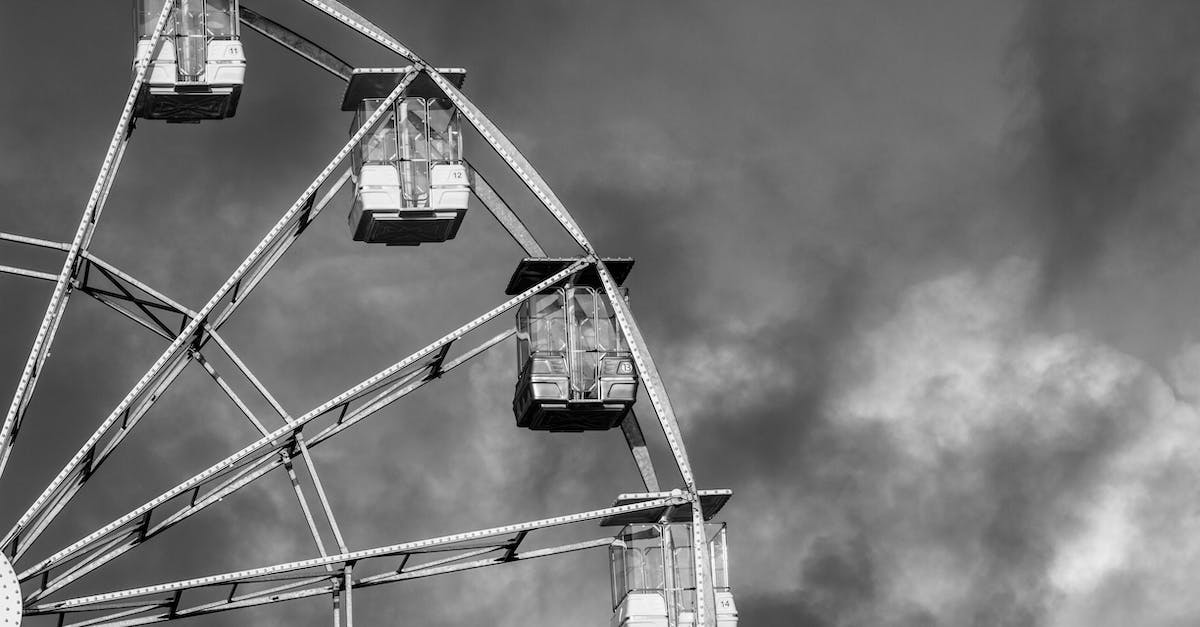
(920, 277)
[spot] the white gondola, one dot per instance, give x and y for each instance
(652, 568)
(198, 69)
(410, 180)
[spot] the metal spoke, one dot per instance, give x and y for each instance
(295, 42)
(312, 472)
(159, 301)
(94, 557)
(249, 374)
(284, 435)
(33, 274)
(279, 594)
(83, 234)
(308, 517)
(342, 559)
(34, 241)
(172, 361)
(237, 401)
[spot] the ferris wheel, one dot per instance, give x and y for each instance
(581, 358)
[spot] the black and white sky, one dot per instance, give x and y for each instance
(921, 278)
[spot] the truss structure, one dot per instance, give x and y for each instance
(190, 335)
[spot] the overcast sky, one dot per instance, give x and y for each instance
(920, 278)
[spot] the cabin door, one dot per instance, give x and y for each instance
(191, 41)
(584, 356)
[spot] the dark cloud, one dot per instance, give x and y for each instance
(1111, 87)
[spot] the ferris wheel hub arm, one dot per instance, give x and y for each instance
(520, 530)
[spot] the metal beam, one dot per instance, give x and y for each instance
(33, 274)
(312, 472)
(249, 375)
(349, 17)
(83, 235)
(503, 213)
(308, 517)
(641, 453)
(343, 559)
(441, 570)
(279, 594)
(295, 42)
(34, 241)
(237, 401)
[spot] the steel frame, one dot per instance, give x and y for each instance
(281, 446)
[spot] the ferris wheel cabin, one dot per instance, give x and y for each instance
(576, 372)
(651, 567)
(198, 69)
(410, 180)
